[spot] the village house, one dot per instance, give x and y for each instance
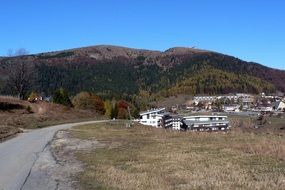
(231, 108)
(246, 98)
(198, 99)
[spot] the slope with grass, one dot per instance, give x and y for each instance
(16, 114)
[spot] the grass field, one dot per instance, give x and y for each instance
(149, 158)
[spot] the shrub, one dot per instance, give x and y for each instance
(120, 109)
(141, 58)
(122, 113)
(87, 100)
(29, 109)
(61, 97)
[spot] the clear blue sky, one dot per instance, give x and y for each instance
(253, 30)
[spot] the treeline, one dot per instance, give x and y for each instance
(120, 109)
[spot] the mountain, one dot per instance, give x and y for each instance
(123, 72)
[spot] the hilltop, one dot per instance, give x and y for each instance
(112, 71)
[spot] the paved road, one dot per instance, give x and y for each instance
(18, 154)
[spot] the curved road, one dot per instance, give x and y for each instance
(18, 154)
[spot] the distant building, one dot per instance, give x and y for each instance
(231, 108)
(265, 109)
(204, 98)
(246, 98)
(206, 123)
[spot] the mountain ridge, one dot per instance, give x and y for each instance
(126, 71)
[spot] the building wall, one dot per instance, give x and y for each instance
(150, 119)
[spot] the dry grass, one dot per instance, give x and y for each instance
(7, 131)
(14, 115)
(273, 124)
(265, 147)
(148, 158)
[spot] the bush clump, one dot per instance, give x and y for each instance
(29, 109)
(87, 100)
(61, 97)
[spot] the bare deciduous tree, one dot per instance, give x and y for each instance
(18, 72)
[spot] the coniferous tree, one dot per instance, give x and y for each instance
(61, 97)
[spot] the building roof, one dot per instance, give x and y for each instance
(205, 116)
(163, 114)
(152, 111)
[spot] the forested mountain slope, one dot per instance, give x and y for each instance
(119, 71)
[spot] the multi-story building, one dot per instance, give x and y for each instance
(156, 118)
(206, 123)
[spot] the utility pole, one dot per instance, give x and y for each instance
(130, 118)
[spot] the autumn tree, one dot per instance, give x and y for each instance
(114, 111)
(87, 100)
(122, 113)
(108, 108)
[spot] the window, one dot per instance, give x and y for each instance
(147, 116)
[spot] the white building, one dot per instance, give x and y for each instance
(231, 108)
(234, 97)
(156, 118)
(266, 109)
(205, 98)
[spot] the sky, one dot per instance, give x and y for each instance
(252, 30)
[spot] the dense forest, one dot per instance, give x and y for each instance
(117, 72)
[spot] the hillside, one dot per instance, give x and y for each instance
(122, 72)
(213, 81)
(14, 114)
